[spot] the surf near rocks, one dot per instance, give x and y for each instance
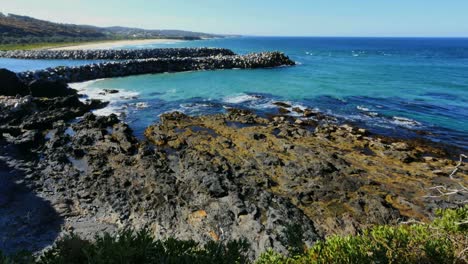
(157, 65)
(115, 54)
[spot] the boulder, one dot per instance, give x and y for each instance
(282, 104)
(49, 89)
(10, 84)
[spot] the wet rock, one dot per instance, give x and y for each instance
(282, 104)
(298, 110)
(110, 91)
(308, 113)
(283, 111)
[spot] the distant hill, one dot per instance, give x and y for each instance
(16, 29)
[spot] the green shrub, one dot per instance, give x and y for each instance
(293, 238)
(140, 247)
(22, 257)
(442, 241)
(271, 257)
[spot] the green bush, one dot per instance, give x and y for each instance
(22, 257)
(140, 247)
(442, 241)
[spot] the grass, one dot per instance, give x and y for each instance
(50, 45)
(445, 240)
(42, 45)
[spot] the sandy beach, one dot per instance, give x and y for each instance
(116, 44)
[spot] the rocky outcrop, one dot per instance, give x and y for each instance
(116, 54)
(49, 89)
(10, 85)
(340, 177)
(145, 66)
(218, 177)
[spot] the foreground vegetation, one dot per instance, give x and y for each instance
(445, 240)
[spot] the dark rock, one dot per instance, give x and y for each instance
(50, 89)
(309, 113)
(156, 65)
(283, 111)
(116, 54)
(27, 139)
(10, 84)
(97, 104)
(298, 110)
(282, 104)
(110, 91)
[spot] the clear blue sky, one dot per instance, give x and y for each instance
(262, 17)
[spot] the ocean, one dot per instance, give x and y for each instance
(402, 87)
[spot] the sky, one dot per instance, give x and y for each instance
(375, 18)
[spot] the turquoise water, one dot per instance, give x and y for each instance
(392, 86)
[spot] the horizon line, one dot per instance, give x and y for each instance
(335, 36)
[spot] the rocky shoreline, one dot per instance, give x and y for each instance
(156, 65)
(217, 177)
(106, 54)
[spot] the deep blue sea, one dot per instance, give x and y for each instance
(393, 86)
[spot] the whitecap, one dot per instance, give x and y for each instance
(362, 108)
(403, 121)
(141, 105)
(240, 98)
(195, 105)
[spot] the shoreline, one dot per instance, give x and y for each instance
(245, 175)
(115, 44)
(214, 160)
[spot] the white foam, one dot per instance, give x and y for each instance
(362, 108)
(141, 105)
(114, 99)
(240, 98)
(403, 121)
(80, 86)
(195, 105)
(108, 111)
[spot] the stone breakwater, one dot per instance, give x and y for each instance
(115, 54)
(156, 65)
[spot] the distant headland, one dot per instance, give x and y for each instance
(23, 32)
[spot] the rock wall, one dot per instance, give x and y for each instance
(156, 65)
(115, 54)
